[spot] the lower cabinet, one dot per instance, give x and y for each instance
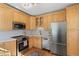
(72, 42)
(35, 42)
(8, 48)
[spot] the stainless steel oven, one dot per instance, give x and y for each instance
(22, 43)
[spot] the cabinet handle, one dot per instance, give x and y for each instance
(41, 21)
(36, 22)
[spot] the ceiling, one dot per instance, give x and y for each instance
(41, 8)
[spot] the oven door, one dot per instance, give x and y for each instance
(23, 45)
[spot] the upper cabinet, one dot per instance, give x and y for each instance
(33, 23)
(59, 16)
(46, 19)
(6, 17)
(22, 18)
(19, 16)
(72, 14)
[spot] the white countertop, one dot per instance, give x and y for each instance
(8, 39)
(28, 33)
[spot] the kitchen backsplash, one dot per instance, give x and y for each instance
(8, 34)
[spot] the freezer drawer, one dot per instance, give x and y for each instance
(61, 50)
(53, 48)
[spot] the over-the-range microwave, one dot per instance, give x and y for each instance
(18, 26)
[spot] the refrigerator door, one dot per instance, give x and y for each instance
(62, 33)
(53, 40)
(58, 40)
(61, 46)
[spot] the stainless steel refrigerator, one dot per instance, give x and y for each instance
(58, 38)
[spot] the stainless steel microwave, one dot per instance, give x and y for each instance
(18, 26)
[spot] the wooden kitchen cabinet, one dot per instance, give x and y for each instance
(33, 24)
(25, 18)
(27, 21)
(10, 46)
(31, 42)
(19, 16)
(22, 18)
(6, 17)
(59, 16)
(35, 42)
(72, 42)
(53, 17)
(46, 21)
(72, 15)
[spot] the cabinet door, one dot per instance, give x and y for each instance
(17, 16)
(35, 42)
(26, 20)
(22, 17)
(11, 46)
(3, 51)
(72, 42)
(31, 42)
(72, 14)
(6, 17)
(33, 23)
(46, 21)
(59, 16)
